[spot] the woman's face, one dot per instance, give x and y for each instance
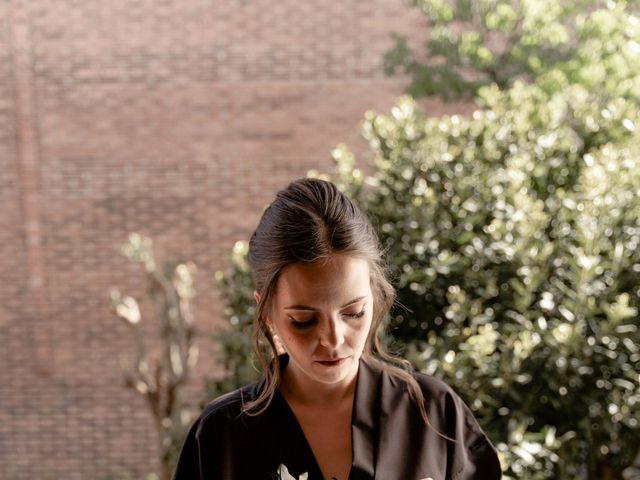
(322, 314)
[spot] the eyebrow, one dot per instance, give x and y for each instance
(311, 309)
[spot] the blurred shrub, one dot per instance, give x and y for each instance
(235, 354)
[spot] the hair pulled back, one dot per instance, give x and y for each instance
(308, 221)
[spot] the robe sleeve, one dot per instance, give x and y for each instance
(470, 455)
(451, 447)
(188, 467)
(210, 450)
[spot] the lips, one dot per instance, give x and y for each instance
(332, 363)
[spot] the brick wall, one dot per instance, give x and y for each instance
(176, 118)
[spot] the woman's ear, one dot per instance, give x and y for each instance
(257, 297)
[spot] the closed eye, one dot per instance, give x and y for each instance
(355, 315)
(302, 324)
(306, 323)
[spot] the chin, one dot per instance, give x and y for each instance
(329, 374)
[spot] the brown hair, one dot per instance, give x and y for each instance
(308, 221)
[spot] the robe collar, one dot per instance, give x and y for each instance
(365, 421)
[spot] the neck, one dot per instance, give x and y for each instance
(309, 393)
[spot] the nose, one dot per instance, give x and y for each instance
(332, 333)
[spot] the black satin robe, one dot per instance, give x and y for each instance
(389, 437)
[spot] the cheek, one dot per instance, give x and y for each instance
(362, 331)
(295, 339)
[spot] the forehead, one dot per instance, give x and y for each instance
(330, 282)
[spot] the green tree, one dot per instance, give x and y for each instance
(514, 235)
(524, 299)
(473, 43)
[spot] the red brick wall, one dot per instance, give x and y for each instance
(176, 118)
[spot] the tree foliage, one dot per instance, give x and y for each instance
(472, 43)
(515, 255)
(514, 233)
(235, 355)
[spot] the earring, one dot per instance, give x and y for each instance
(276, 340)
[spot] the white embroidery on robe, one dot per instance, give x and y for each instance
(283, 474)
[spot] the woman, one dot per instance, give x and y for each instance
(332, 404)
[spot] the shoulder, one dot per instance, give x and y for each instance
(446, 410)
(213, 436)
(432, 386)
(443, 401)
(451, 432)
(226, 409)
(232, 400)
(473, 453)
